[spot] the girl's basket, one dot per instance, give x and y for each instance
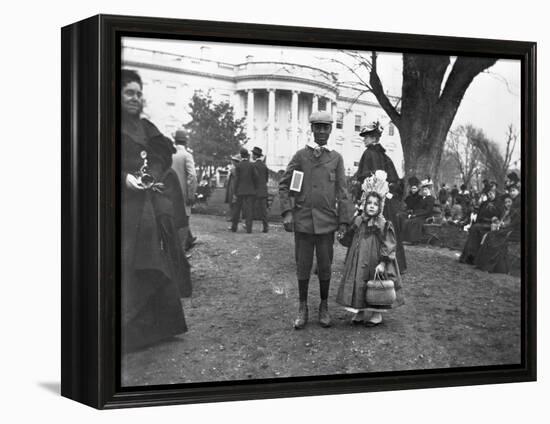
(380, 292)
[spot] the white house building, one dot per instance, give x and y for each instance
(275, 97)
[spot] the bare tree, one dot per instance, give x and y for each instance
(432, 90)
(511, 142)
(461, 145)
(496, 163)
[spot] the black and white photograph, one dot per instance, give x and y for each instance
(304, 212)
(249, 212)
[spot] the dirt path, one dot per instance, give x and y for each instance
(244, 301)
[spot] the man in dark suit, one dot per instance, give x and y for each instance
(261, 192)
(321, 206)
(246, 185)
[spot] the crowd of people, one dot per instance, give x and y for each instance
(373, 220)
(246, 190)
(495, 220)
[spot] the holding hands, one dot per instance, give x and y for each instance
(380, 268)
(288, 222)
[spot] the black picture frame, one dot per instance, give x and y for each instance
(90, 186)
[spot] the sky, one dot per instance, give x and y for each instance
(492, 102)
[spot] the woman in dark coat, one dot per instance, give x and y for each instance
(411, 225)
(514, 191)
(394, 206)
(155, 272)
(374, 158)
(492, 255)
(414, 199)
(488, 212)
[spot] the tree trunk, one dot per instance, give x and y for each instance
(422, 159)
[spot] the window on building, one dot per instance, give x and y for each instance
(322, 104)
(170, 104)
(391, 129)
(339, 120)
(171, 87)
(358, 123)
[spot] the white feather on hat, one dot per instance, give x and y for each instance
(378, 184)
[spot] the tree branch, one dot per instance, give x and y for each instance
(378, 91)
(353, 71)
(511, 140)
(465, 69)
(503, 80)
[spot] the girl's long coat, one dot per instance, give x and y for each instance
(373, 242)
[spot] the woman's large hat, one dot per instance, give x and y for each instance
(426, 183)
(413, 181)
(512, 176)
(373, 127)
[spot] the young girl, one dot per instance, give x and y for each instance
(372, 251)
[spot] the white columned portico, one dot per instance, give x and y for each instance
(294, 125)
(328, 102)
(315, 104)
(250, 115)
(331, 109)
(271, 148)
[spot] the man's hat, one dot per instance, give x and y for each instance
(180, 135)
(244, 153)
(373, 127)
(512, 176)
(321, 117)
(257, 151)
(413, 181)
